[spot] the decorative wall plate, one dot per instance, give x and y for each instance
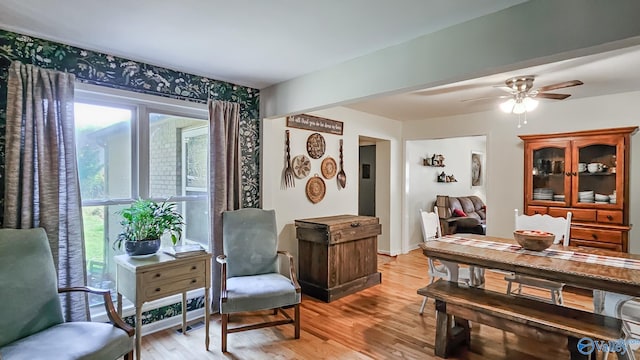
(315, 145)
(301, 166)
(315, 189)
(328, 168)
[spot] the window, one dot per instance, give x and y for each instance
(131, 147)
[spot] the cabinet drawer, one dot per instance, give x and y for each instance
(576, 214)
(191, 268)
(532, 210)
(161, 289)
(610, 216)
(609, 236)
(595, 244)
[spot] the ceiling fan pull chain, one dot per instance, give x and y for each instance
(525, 118)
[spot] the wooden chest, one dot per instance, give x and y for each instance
(337, 255)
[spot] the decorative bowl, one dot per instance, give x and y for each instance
(535, 240)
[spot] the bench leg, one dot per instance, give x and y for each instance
(450, 332)
(443, 329)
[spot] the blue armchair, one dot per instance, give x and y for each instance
(31, 321)
(250, 280)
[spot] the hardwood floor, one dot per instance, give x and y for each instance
(381, 322)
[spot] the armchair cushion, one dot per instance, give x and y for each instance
(72, 340)
(250, 242)
(260, 292)
(29, 295)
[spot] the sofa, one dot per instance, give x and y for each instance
(462, 214)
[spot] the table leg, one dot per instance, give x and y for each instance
(206, 318)
(120, 304)
(138, 330)
(184, 313)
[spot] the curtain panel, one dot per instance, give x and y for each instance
(225, 176)
(41, 182)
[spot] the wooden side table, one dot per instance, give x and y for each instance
(159, 276)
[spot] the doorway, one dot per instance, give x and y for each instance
(367, 180)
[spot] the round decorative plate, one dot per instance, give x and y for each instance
(328, 168)
(315, 189)
(315, 146)
(301, 166)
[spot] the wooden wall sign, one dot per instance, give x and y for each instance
(314, 123)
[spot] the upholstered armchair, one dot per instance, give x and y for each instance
(250, 280)
(31, 321)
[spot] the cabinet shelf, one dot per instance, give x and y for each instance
(597, 174)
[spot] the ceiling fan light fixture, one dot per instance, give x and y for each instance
(519, 107)
(507, 106)
(530, 104)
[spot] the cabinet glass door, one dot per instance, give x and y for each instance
(549, 173)
(597, 170)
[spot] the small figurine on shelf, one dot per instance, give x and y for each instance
(442, 177)
(451, 178)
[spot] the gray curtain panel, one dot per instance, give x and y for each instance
(225, 178)
(41, 184)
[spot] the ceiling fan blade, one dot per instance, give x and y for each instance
(552, 96)
(487, 98)
(560, 85)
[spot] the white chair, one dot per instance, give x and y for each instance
(625, 308)
(430, 224)
(559, 226)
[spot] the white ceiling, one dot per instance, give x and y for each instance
(259, 43)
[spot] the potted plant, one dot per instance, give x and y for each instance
(144, 222)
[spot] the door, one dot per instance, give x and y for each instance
(600, 172)
(548, 169)
(367, 181)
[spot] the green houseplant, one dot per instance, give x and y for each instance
(144, 222)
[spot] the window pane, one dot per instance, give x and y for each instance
(177, 155)
(103, 141)
(101, 226)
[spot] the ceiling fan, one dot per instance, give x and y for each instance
(522, 96)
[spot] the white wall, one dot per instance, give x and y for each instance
(505, 157)
(498, 42)
(422, 186)
(291, 204)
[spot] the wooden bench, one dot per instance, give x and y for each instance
(548, 323)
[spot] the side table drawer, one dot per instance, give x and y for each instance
(196, 267)
(165, 288)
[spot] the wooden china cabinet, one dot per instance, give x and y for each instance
(587, 173)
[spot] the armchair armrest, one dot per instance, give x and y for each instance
(222, 260)
(115, 319)
(292, 269)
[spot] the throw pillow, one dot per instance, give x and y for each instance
(459, 213)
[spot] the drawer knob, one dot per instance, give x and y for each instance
(609, 217)
(594, 236)
(194, 267)
(193, 281)
(355, 224)
(158, 275)
(157, 289)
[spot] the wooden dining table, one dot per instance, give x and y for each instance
(581, 267)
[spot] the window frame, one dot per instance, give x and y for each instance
(141, 105)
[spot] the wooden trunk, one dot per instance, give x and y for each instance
(337, 255)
